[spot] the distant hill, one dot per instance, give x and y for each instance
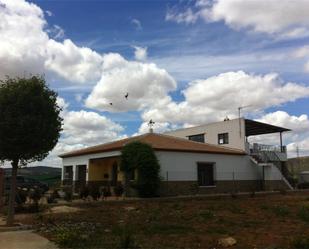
(296, 165)
(36, 170)
(45, 174)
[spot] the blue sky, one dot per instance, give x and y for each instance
(189, 50)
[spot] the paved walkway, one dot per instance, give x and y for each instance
(24, 240)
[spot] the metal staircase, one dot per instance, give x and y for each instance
(267, 155)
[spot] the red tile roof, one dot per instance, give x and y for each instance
(158, 142)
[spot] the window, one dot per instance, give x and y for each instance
(68, 172)
(205, 173)
(223, 138)
(197, 138)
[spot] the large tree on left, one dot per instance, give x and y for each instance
(30, 125)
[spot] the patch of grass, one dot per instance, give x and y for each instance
(264, 207)
(127, 240)
(303, 213)
(236, 209)
(217, 230)
(168, 229)
(206, 215)
(300, 243)
(68, 237)
(281, 211)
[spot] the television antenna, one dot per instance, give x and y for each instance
(239, 116)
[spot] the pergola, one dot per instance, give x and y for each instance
(253, 128)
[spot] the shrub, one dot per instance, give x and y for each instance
(21, 196)
(55, 194)
(68, 237)
(68, 195)
(303, 213)
(95, 193)
(106, 191)
(127, 241)
(141, 157)
(35, 195)
(304, 185)
(118, 189)
(206, 215)
(300, 243)
(84, 192)
(281, 210)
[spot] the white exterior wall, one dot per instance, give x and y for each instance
(84, 160)
(180, 166)
(235, 128)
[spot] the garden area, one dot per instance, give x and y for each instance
(273, 221)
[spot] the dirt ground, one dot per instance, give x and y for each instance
(276, 221)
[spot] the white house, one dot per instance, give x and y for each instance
(205, 159)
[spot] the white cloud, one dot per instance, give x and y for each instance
(298, 137)
(56, 32)
(303, 52)
(78, 64)
(25, 46)
(137, 23)
(81, 129)
(285, 19)
(146, 84)
(49, 13)
(157, 127)
(140, 53)
(214, 98)
(188, 16)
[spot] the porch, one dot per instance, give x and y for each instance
(96, 173)
(265, 152)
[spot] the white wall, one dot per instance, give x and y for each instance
(235, 128)
(182, 166)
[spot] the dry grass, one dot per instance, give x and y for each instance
(262, 222)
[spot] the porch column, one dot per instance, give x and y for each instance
(281, 147)
(75, 177)
(87, 171)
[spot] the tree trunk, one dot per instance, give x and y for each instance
(11, 206)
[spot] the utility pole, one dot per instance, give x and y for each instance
(298, 159)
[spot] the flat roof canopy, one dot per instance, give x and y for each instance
(258, 128)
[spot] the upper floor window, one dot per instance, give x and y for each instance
(197, 138)
(223, 138)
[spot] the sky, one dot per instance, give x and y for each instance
(182, 63)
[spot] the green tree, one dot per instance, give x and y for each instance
(30, 125)
(140, 157)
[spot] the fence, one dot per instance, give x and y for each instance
(222, 181)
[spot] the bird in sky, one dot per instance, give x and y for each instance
(126, 96)
(111, 103)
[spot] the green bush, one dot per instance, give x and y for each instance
(300, 243)
(68, 237)
(140, 157)
(303, 213)
(118, 189)
(68, 195)
(21, 196)
(84, 192)
(127, 241)
(281, 210)
(206, 215)
(95, 193)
